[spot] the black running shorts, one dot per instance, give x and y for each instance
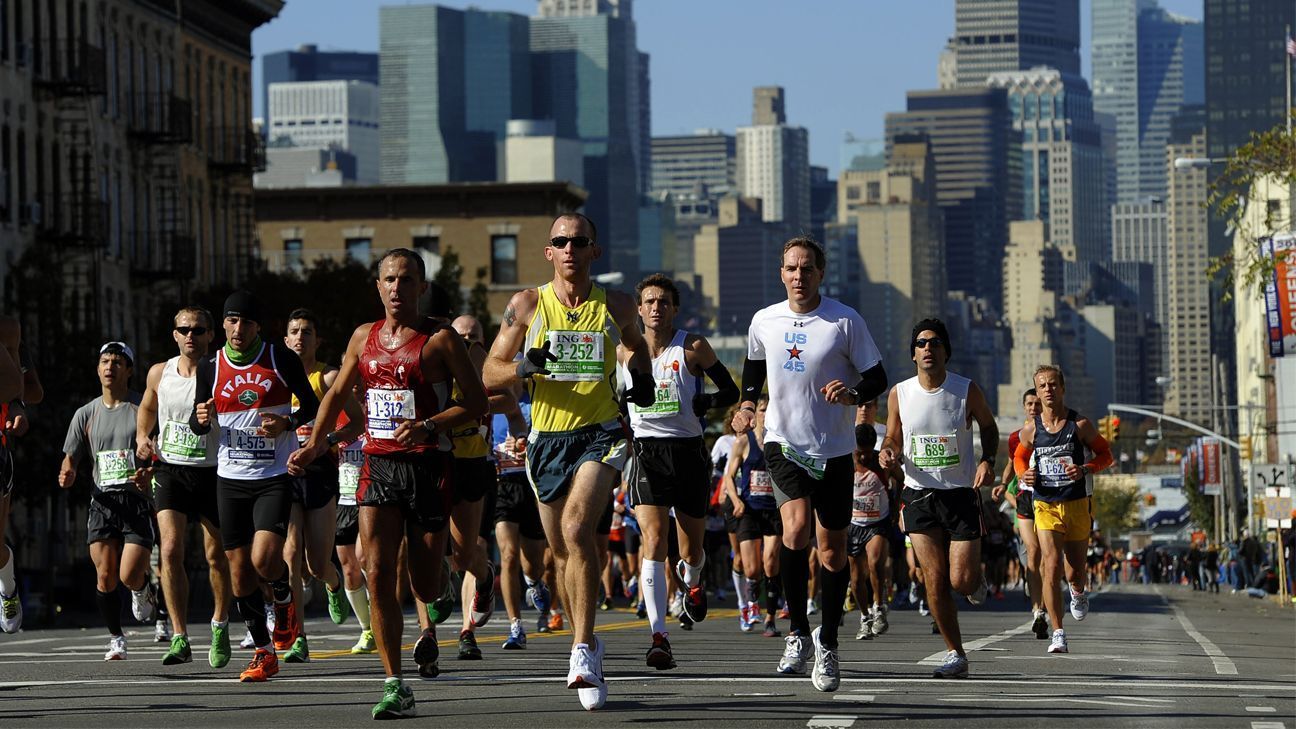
(251, 506)
(120, 515)
(1026, 505)
(417, 483)
(671, 472)
(190, 490)
(830, 496)
(318, 486)
(515, 502)
(348, 526)
(954, 511)
(757, 523)
(473, 479)
(858, 537)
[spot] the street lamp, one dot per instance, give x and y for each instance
(1197, 163)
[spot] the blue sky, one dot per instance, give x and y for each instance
(843, 63)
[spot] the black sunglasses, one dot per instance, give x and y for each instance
(196, 331)
(578, 241)
(922, 342)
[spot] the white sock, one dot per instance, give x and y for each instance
(654, 592)
(693, 572)
(359, 599)
(8, 585)
(529, 582)
(739, 584)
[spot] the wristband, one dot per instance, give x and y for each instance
(429, 426)
(333, 438)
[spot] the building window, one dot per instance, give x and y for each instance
(504, 259)
(874, 191)
(429, 243)
(358, 250)
(292, 255)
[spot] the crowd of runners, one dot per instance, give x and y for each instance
(565, 465)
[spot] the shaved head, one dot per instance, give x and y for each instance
(469, 328)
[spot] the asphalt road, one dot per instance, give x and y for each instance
(1145, 657)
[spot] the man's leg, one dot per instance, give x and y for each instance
(653, 525)
(1032, 567)
(772, 548)
(382, 530)
(1076, 568)
(1051, 550)
(218, 572)
(835, 578)
(509, 541)
(570, 523)
(294, 558)
(749, 555)
(965, 571)
(691, 535)
(795, 562)
(172, 526)
(876, 552)
(931, 550)
(106, 556)
(321, 525)
(135, 565)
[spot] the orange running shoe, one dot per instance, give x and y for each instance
(556, 621)
(286, 628)
(263, 665)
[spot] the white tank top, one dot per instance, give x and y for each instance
(937, 438)
(671, 416)
(176, 443)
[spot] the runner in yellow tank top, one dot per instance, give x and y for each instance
(567, 332)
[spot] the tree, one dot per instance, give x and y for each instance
(1115, 506)
(479, 306)
(1201, 509)
(450, 278)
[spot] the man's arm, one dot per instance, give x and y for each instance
(294, 376)
(737, 453)
(203, 417)
(704, 359)
(1021, 459)
(642, 390)
(979, 410)
(146, 415)
(337, 397)
(1093, 440)
(475, 404)
(500, 370)
(891, 452)
(74, 445)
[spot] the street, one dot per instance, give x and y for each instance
(1147, 656)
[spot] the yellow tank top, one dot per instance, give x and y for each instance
(316, 378)
(469, 439)
(579, 390)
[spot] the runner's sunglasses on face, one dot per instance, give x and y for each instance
(578, 241)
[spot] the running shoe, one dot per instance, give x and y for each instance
(783, 613)
(659, 655)
(299, 652)
(585, 673)
(1040, 625)
(556, 621)
(1059, 642)
(218, 656)
(913, 595)
(880, 624)
(825, 675)
(771, 629)
(426, 653)
(143, 603)
(865, 631)
(642, 612)
(542, 623)
(116, 649)
(517, 637)
(179, 651)
(10, 613)
(483, 603)
(795, 653)
(978, 596)
(754, 615)
(955, 666)
(606, 604)
(676, 606)
(849, 604)
(744, 619)
(935, 628)
(468, 650)
(439, 609)
(161, 632)
(537, 596)
(366, 644)
(397, 701)
(1079, 605)
(263, 665)
(812, 608)
(922, 608)
(285, 627)
(248, 641)
(270, 617)
(632, 589)
(337, 602)
(685, 622)
(694, 603)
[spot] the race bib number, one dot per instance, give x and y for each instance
(248, 446)
(1054, 467)
(813, 466)
(933, 452)
(115, 467)
(667, 402)
(387, 409)
(349, 473)
(507, 461)
(867, 503)
(178, 441)
(580, 356)
(760, 484)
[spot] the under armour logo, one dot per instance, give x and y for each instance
(572, 317)
(798, 323)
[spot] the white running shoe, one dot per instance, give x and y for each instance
(270, 617)
(1059, 643)
(11, 612)
(824, 676)
(865, 631)
(585, 674)
(880, 624)
(795, 653)
(116, 649)
(248, 640)
(955, 666)
(922, 608)
(161, 632)
(1079, 605)
(811, 607)
(978, 596)
(144, 603)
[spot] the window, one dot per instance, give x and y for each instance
(874, 191)
(358, 250)
(504, 259)
(429, 243)
(853, 192)
(292, 255)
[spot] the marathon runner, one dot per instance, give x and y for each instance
(120, 527)
(1059, 451)
(1022, 498)
(672, 468)
(406, 366)
(868, 540)
(759, 530)
(817, 345)
(15, 367)
(568, 331)
(350, 445)
(184, 484)
(929, 433)
(246, 392)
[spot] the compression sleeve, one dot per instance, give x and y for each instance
(204, 377)
(727, 394)
(1021, 459)
(1102, 455)
(873, 382)
(293, 373)
(753, 378)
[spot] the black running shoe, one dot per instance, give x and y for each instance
(468, 650)
(426, 653)
(695, 598)
(659, 655)
(1040, 626)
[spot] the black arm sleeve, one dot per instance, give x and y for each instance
(205, 376)
(753, 378)
(873, 382)
(728, 389)
(294, 376)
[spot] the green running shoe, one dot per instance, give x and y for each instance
(179, 652)
(300, 651)
(397, 701)
(219, 655)
(366, 644)
(338, 607)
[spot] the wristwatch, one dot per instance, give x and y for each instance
(988, 459)
(429, 426)
(333, 438)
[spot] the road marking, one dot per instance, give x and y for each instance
(1261, 709)
(1059, 699)
(1268, 725)
(1224, 666)
(832, 720)
(936, 659)
(854, 698)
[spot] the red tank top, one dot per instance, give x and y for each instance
(395, 391)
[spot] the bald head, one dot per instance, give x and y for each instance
(469, 328)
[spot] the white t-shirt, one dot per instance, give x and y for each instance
(804, 352)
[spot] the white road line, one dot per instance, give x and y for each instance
(1268, 725)
(936, 659)
(832, 720)
(854, 698)
(1261, 709)
(1224, 666)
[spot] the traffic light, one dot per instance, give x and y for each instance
(1114, 426)
(1245, 451)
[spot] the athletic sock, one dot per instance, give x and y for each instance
(110, 610)
(738, 588)
(654, 592)
(773, 591)
(753, 591)
(8, 585)
(359, 599)
(834, 595)
(282, 591)
(252, 610)
(796, 574)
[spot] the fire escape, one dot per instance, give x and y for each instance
(233, 155)
(165, 250)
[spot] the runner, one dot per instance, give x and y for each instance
(1052, 444)
(672, 467)
(809, 439)
(748, 612)
(406, 365)
(760, 530)
(868, 539)
(568, 331)
(1022, 498)
(929, 432)
(518, 532)
(120, 529)
(246, 391)
(350, 443)
(184, 485)
(13, 417)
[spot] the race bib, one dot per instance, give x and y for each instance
(867, 503)
(760, 484)
(580, 356)
(304, 433)
(178, 441)
(813, 466)
(667, 402)
(1054, 467)
(248, 446)
(349, 473)
(509, 461)
(386, 410)
(115, 467)
(933, 452)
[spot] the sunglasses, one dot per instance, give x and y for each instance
(579, 241)
(922, 342)
(196, 331)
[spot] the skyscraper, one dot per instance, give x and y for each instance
(1193, 387)
(1244, 73)
(329, 114)
(774, 162)
(307, 63)
(680, 163)
(1014, 35)
(1139, 236)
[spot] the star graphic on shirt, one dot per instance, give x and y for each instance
(794, 353)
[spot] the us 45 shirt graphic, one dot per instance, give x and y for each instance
(794, 362)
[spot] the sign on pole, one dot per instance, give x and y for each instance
(1274, 481)
(1280, 294)
(1212, 475)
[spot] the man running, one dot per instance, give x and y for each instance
(1022, 498)
(120, 529)
(1059, 451)
(184, 484)
(17, 374)
(350, 445)
(568, 331)
(672, 469)
(406, 365)
(246, 392)
(929, 433)
(817, 345)
(759, 531)
(870, 533)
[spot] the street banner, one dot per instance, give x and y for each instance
(1280, 294)
(1212, 474)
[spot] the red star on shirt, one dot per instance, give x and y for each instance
(794, 353)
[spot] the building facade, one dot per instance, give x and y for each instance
(991, 36)
(774, 162)
(1194, 385)
(707, 158)
(340, 115)
(737, 260)
(308, 63)
(1140, 235)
